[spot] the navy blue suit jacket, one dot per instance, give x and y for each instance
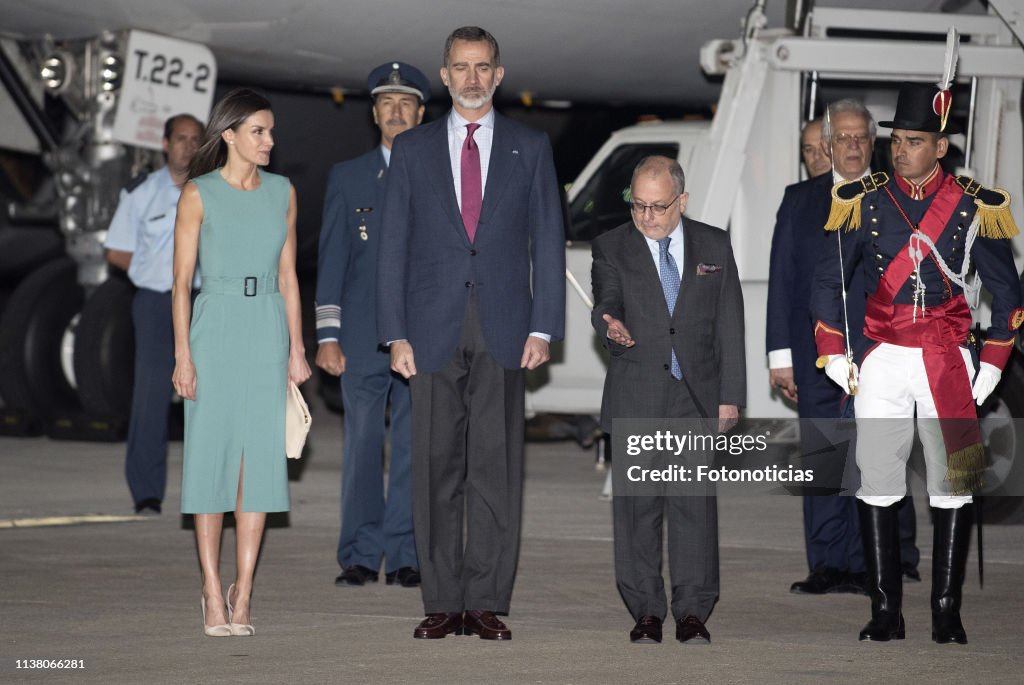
(347, 264)
(427, 266)
(799, 246)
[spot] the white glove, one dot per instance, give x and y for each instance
(985, 382)
(838, 369)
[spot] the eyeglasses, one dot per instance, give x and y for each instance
(850, 139)
(657, 210)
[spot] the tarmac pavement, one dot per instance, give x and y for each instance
(124, 596)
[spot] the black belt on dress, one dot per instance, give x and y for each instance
(247, 286)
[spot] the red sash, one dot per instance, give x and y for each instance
(938, 331)
(947, 197)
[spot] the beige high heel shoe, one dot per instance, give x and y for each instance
(221, 630)
(238, 629)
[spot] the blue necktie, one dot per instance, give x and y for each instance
(670, 286)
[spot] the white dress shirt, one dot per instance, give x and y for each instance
(675, 248)
(484, 138)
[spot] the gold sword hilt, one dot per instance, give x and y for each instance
(852, 380)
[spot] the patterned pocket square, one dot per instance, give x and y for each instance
(705, 269)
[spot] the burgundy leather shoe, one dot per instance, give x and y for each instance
(647, 631)
(486, 625)
(691, 631)
(437, 626)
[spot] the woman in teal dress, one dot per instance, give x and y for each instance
(238, 346)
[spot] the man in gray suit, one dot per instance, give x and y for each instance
(676, 343)
(470, 291)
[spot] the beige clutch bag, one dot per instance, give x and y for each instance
(296, 422)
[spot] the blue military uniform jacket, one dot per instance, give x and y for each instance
(346, 286)
(799, 244)
(883, 235)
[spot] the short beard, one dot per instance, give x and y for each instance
(472, 102)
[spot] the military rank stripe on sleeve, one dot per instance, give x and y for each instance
(328, 316)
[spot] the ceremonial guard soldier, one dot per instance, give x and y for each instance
(914, 237)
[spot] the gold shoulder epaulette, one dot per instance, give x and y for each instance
(993, 215)
(846, 197)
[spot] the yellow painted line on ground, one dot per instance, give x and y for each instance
(67, 520)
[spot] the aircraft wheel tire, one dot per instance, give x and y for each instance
(105, 350)
(1007, 504)
(24, 249)
(35, 322)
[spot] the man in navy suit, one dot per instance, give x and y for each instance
(372, 526)
(816, 161)
(470, 291)
(834, 553)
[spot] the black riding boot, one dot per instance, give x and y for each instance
(879, 527)
(949, 559)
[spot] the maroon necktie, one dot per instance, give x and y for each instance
(472, 193)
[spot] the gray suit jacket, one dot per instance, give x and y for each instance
(706, 330)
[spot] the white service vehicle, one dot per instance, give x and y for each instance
(738, 164)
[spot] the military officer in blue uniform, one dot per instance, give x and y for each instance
(374, 524)
(912, 236)
(140, 240)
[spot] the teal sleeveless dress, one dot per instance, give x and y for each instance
(239, 341)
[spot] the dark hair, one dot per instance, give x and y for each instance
(173, 121)
(229, 113)
(472, 34)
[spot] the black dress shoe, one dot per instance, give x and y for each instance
(148, 506)
(911, 573)
(406, 576)
(486, 625)
(820, 581)
(437, 626)
(691, 631)
(356, 575)
(647, 631)
(856, 584)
